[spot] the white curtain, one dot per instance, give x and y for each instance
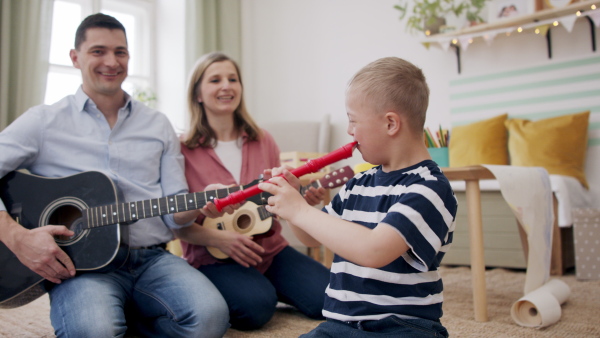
(25, 28)
(213, 25)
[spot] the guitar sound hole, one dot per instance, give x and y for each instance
(244, 222)
(69, 216)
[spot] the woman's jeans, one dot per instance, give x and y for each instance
(293, 278)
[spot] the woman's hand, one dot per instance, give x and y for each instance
(240, 248)
(210, 209)
(314, 195)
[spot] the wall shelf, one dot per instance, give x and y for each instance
(542, 21)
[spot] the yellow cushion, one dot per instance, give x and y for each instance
(362, 167)
(558, 144)
(482, 142)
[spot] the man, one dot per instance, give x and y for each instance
(101, 128)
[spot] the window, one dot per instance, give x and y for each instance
(135, 15)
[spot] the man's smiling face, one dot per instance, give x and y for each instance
(103, 59)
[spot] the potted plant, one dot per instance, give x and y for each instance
(429, 15)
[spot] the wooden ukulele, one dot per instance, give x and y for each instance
(252, 219)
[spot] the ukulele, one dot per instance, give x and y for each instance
(253, 219)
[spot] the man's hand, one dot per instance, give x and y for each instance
(38, 251)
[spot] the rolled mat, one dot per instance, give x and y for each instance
(541, 307)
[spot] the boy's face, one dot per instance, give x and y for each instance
(103, 58)
(367, 126)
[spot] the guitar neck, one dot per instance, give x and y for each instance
(133, 211)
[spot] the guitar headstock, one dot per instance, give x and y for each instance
(336, 178)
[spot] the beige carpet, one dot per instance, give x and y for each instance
(504, 287)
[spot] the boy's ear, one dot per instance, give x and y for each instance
(394, 122)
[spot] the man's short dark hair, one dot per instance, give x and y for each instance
(97, 20)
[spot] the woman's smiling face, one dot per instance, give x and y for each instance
(220, 88)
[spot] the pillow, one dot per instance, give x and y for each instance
(482, 142)
(557, 144)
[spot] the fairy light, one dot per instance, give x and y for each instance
(520, 29)
(470, 40)
(593, 6)
(555, 23)
(578, 13)
(428, 32)
(537, 31)
(454, 41)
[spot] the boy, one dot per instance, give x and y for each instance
(391, 224)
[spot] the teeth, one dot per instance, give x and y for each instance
(109, 74)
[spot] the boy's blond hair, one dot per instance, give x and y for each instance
(394, 84)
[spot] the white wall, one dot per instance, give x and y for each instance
(299, 55)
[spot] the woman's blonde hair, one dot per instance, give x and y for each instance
(200, 134)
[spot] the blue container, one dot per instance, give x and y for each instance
(440, 156)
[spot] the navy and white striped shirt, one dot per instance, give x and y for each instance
(420, 205)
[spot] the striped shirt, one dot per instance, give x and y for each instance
(420, 205)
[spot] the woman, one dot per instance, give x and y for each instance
(224, 144)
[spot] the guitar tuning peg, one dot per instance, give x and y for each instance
(345, 179)
(327, 176)
(338, 181)
(335, 173)
(330, 185)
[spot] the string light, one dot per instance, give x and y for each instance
(537, 27)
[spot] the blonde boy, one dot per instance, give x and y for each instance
(390, 225)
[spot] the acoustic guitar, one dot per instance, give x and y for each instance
(88, 204)
(253, 219)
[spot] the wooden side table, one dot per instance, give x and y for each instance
(471, 176)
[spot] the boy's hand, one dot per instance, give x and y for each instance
(293, 180)
(286, 200)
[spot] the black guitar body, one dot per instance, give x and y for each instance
(59, 201)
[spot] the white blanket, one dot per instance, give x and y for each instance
(568, 191)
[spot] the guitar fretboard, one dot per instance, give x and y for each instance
(133, 211)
